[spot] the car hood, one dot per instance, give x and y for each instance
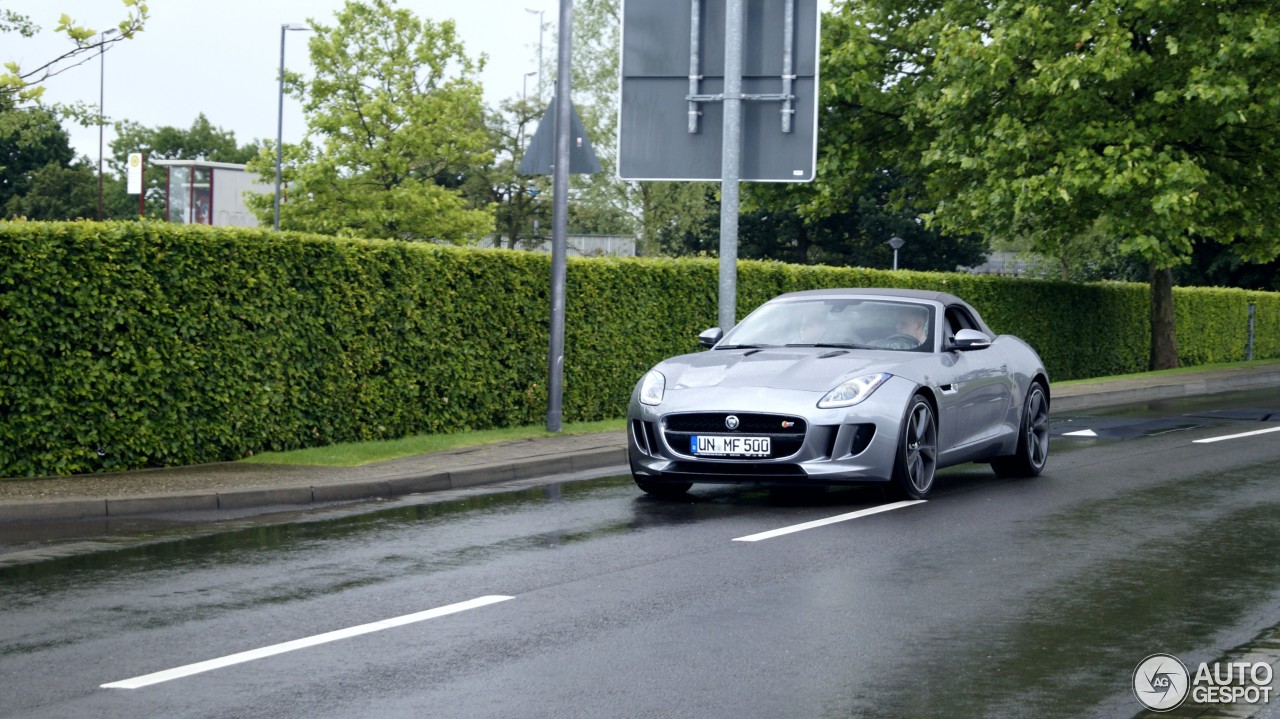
(800, 368)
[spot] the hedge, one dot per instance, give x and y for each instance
(137, 344)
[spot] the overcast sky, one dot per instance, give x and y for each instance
(221, 57)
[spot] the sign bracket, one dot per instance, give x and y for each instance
(788, 51)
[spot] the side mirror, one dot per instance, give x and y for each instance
(710, 337)
(966, 340)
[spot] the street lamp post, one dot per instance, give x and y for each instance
(286, 27)
(539, 13)
(896, 243)
(102, 77)
(524, 95)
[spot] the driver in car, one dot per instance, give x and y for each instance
(911, 323)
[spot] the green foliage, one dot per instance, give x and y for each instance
(148, 344)
(30, 139)
(393, 106)
(57, 192)
(855, 234)
(499, 184)
(1150, 122)
(1153, 117)
(19, 86)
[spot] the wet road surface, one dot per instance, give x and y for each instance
(995, 598)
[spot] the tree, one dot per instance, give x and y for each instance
(499, 184)
(1152, 122)
(202, 141)
(774, 226)
(393, 105)
(30, 138)
(19, 86)
(57, 192)
(1212, 264)
(602, 203)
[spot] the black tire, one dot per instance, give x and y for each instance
(663, 490)
(917, 458)
(1033, 438)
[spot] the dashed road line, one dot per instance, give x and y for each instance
(188, 670)
(829, 520)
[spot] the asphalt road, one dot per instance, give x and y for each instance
(995, 598)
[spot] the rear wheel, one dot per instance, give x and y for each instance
(917, 457)
(1033, 438)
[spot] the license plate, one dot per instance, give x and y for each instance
(719, 446)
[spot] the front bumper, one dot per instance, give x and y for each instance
(850, 445)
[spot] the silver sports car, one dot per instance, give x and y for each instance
(842, 386)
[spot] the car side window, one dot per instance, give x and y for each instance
(958, 319)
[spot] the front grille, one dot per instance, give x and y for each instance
(754, 424)
(784, 441)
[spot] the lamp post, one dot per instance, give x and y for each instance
(102, 77)
(286, 27)
(896, 243)
(539, 13)
(524, 96)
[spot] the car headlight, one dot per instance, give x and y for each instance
(853, 391)
(652, 387)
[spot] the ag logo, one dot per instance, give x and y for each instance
(731, 422)
(1161, 682)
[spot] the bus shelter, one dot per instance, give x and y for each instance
(200, 192)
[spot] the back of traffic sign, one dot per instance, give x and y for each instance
(671, 114)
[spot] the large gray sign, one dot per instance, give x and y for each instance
(671, 118)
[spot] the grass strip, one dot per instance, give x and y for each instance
(354, 454)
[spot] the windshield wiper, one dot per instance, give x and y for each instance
(742, 347)
(832, 345)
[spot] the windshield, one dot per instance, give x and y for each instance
(837, 322)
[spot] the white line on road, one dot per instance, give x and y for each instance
(1080, 433)
(1235, 436)
(303, 643)
(829, 520)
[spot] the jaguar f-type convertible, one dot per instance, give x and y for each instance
(842, 386)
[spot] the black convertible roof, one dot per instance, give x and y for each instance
(941, 297)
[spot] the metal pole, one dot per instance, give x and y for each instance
(695, 61)
(1248, 348)
(730, 163)
(539, 13)
(280, 127)
(788, 73)
(142, 196)
(559, 222)
(895, 259)
(102, 80)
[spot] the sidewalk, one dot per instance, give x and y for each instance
(231, 485)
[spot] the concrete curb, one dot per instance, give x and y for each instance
(301, 495)
(1065, 400)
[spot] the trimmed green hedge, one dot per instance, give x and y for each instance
(128, 345)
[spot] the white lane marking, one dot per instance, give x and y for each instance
(1080, 433)
(829, 520)
(1235, 436)
(188, 670)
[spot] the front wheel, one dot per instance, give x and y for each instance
(1033, 438)
(917, 456)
